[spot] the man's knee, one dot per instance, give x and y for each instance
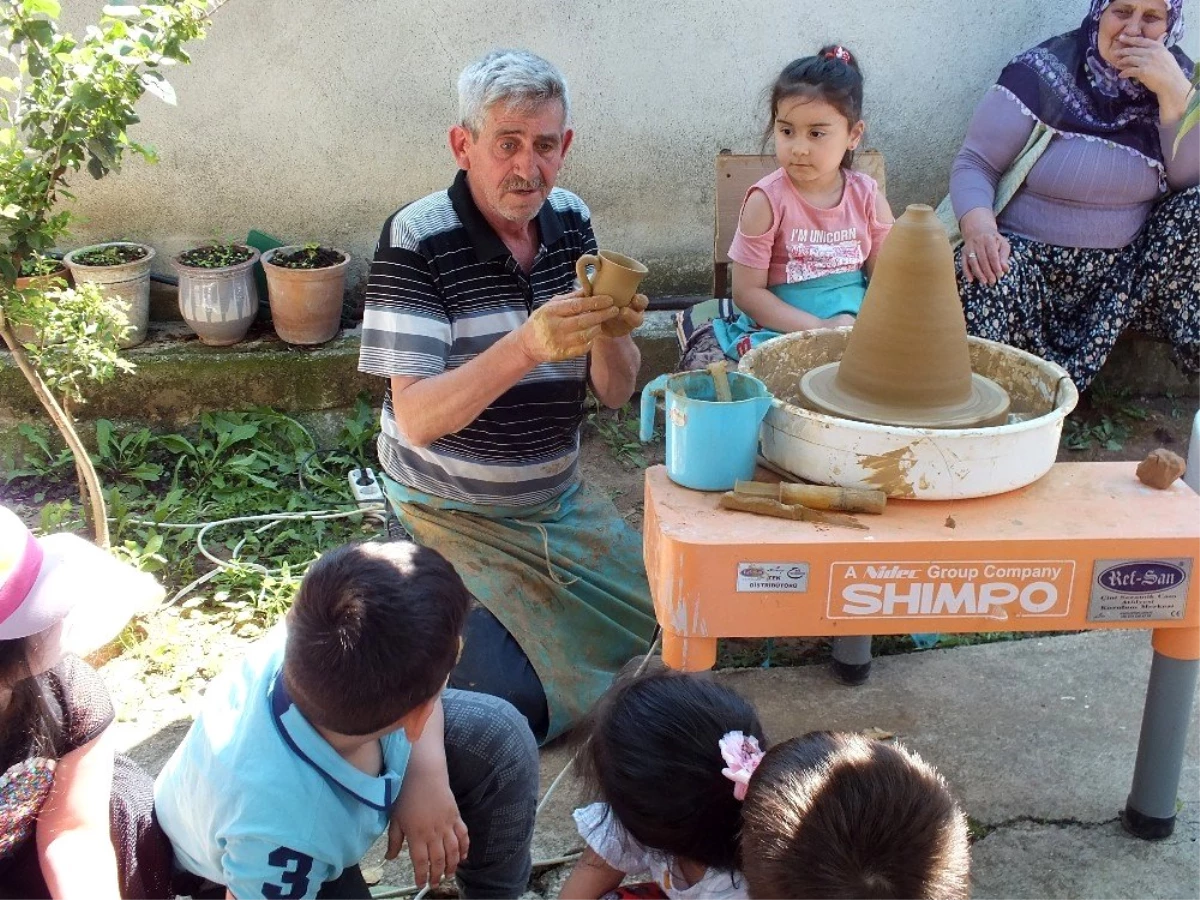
(493, 663)
(487, 735)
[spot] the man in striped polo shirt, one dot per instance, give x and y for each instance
(473, 315)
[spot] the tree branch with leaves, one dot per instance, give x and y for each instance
(67, 104)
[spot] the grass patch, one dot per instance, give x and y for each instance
(976, 830)
(231, 465)
(1105, 419)
(618, 430)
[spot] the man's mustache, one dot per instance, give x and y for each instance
(520, 184)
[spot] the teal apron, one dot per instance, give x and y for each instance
(824, 297)
(565, 578)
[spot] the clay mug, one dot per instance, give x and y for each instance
(616, 276)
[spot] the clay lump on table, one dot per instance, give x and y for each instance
(1160, 469)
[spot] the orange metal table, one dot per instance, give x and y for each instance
(1085, 547)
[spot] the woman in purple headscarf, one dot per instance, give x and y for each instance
(1078, 214)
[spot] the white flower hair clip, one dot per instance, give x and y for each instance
(742, 756)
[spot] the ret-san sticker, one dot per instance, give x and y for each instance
(1139, 590)
(770, 577)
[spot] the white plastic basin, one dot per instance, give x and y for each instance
(914, 463)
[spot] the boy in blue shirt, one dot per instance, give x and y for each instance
(337, 728)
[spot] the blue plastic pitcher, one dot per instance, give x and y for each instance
(710, 444)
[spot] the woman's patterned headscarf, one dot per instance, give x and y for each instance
(1066, 84)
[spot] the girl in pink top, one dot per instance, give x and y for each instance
(809, 231)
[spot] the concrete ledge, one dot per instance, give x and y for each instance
(177, 377)
(1139, 365)
(659, 345)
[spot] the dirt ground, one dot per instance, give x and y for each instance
(1142, 424)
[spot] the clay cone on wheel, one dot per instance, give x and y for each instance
(906, 362)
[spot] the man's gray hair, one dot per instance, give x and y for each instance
(514, 77)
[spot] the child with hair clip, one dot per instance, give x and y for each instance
(809, 232)
(652, 756)
(841, 815)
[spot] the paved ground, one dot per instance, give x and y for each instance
(1037, 737)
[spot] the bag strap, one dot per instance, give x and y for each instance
(1010, 182)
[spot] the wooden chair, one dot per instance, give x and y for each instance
(736, 172)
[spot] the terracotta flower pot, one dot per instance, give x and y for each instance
(218, 304)
(306, 304)
(127, 286)
(25, 333)
(44, 281)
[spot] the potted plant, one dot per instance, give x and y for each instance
(67, 105)
(38, 273)
(217, 296)
(305, 284)
(121, 269)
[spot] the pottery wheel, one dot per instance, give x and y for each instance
(986, 405)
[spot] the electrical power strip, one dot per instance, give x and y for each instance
(365, 487)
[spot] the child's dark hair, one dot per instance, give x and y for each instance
(373, 634)
(26, 726)
(832, 75)
(651, 751)
(841, 815)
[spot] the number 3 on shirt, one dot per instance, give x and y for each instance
(295, 880)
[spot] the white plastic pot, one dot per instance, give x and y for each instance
(218, 304)
(914, 463)
(126, 286)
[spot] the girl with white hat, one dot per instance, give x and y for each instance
(75, 819)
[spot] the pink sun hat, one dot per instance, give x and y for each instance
(65, 583)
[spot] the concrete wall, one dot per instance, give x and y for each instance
(314, 121)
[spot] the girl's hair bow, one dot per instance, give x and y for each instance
(839, 52)
(742, 756)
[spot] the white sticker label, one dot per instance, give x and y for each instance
(995, 589)
(1137, 590)
(770, 577)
